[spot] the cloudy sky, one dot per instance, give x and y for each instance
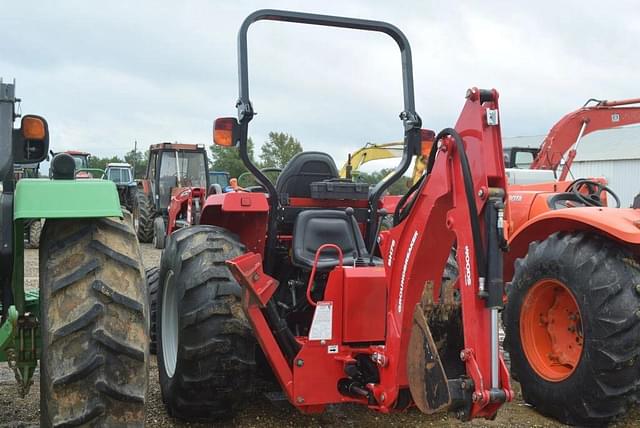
(108, 73)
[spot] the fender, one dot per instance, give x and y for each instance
(251, 226)
(144, 185)
(41, 198)
(619, 224)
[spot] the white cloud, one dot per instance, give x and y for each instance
(106, 74)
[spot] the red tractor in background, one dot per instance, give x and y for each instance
(300, 275)
(173, 191)
(82, 162)
(572, 320)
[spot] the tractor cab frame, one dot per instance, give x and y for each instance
(173, 191)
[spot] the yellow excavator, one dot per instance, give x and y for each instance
(371, 152)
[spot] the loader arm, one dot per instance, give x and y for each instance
(566, 134)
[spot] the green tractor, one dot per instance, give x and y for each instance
(87, 321)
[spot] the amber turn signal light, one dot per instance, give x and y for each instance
(426, 139)
(33, 128)
(225, 131)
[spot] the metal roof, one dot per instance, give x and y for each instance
(610, 144)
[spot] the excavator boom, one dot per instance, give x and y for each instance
(567, 132)
(371, 152)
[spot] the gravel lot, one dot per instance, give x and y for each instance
(259, 412)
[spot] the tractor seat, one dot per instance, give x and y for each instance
(303, 169)
(314, 228)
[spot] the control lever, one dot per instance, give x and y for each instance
(352, 225)
(382, 213)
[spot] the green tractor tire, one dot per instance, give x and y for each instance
(95, 337)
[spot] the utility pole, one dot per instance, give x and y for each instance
(135, 157)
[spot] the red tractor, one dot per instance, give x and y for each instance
(173, 191)
(82, 162)
(300, 275)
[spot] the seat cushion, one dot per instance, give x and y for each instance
(314, 228)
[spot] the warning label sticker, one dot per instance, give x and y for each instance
(321, 325)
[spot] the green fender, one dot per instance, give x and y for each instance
(81, 198)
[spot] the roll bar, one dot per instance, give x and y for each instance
(409, 117)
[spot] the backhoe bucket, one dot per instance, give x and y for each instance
(427, 378)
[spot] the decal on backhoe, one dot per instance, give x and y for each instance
(391, 248)
(467, 266)
(404, 269)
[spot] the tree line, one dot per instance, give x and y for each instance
(137, 159)
(276, 151)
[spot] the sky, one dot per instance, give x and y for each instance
(106, 74)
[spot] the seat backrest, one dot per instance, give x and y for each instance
(314, 228)
(304, 169)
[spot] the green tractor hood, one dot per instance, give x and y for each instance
(81, 198)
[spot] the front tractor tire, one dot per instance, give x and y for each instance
(206, 348)
(94, 364)
(146, 214)
(153, 282)
(159, 233)
(572, 324)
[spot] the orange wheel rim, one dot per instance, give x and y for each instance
(551, 330)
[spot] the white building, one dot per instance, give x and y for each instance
(613, 154)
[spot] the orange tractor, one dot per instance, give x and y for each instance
(301, 277)
(572, 320)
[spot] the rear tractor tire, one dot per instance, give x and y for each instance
(206, 347)
(94, 364)
(146, 214)
(572, 324)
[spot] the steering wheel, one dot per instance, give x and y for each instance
(593, 197)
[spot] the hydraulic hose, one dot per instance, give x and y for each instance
(290, 347)
(403, 211)
(471, 198)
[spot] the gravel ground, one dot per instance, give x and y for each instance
(260, 412)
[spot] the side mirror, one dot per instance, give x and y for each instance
(31, 140)
(226, 131)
